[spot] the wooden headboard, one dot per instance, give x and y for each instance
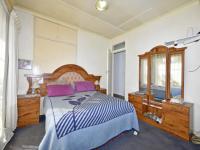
(67, 74)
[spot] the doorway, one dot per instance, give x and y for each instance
(116, 70)
(119, 74)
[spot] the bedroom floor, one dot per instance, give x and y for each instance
(150, 138)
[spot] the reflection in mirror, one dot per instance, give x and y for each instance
(143, 75)
(176, 75)
(158, 76)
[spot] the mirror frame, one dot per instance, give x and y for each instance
(143, 56)
(169, 51)
(180, 51)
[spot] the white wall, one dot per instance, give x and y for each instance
(92, 54)
(25, 47)
(172, 26)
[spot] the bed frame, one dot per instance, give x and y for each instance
(68, 74)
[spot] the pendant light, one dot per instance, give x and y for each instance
(101, 5)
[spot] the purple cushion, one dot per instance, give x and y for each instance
(60, 90)
(82, 86)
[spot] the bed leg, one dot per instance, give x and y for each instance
(135, 133)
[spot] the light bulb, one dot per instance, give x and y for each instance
(101, 5)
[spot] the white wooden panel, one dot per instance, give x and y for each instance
(49, 55)
(53, 31)
(67, 35)
(46, 29)
(55, 45)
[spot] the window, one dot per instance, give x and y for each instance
(119, 46)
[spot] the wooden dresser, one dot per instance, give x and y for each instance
(28, 109)
(176, 118)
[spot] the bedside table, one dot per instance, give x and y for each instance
(28, 109)
(102, 90)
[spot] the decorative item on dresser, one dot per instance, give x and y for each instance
(34, 82)
(28, 109)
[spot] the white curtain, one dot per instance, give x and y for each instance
(5, 135)
(9, 94)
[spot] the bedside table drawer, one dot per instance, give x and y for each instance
(28, 110)
(25, 102)
(26, 116)
(27, 120)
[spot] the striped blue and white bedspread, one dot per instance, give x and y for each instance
(85, 120)
(91, 110)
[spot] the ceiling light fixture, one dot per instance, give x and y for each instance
(101, 5)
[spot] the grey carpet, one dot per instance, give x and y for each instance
(26, 138)
(150, 138)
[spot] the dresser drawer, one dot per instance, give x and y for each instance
(130, 97)
(135, 98)
(176, 121)
(177, 130)
(137, 105)
(176, 108)
(177, 127)
(137, 102)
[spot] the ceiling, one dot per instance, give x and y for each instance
(121, 16)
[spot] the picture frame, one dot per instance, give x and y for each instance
(24, 64)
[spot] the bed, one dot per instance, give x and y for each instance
(84, 120)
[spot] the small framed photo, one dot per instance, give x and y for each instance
(24, 64)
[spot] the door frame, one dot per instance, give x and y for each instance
(112, 69)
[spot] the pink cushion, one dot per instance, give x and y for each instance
(60, 90)
(82, 86)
